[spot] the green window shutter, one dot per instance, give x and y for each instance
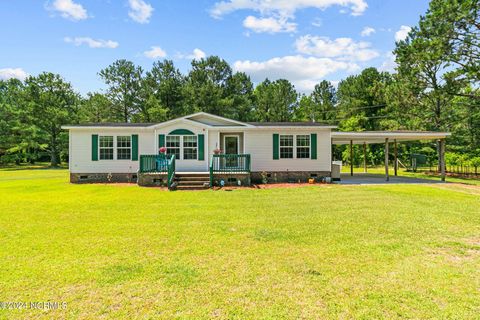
(94, 147)
(276, 146)
(161, 141)
(201, 147)
(313, 146)
(134, 147)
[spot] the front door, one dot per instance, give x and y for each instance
(231, 147)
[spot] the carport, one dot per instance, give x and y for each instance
(387, 137)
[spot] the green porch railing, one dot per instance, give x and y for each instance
(171, 171)
(153, 163)
(229, 163)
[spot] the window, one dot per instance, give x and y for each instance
(286, 147)
(303, 146)
(190, 147)
(124, 147)
(106, 147)
(173, 146)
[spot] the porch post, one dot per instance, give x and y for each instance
(351, 157)
(387, 178)
(441, 158)
(364, 157)
(395, 153)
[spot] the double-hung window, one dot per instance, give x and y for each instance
(173, 146)
(124, 147)
(190, 147)
(106, 147)
(303, 146)
(286, 147)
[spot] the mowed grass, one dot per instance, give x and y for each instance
(315, 252)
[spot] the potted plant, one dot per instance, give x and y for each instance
(217, 151)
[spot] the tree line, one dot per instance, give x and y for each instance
(435, 87)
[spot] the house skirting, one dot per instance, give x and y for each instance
(287, 176)
(232, 179)
(103, 177)
(160, 179)
(152, 179)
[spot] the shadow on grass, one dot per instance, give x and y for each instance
(43, 166)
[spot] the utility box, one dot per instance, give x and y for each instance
(336, 169)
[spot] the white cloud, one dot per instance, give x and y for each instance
(92, 43)
(69, 9)
(402, 33)
(284, 7)
(196, 54)
(389, 63)
(155, 53)
(276, 15)
(304, 72)
(140, 11)
(9, 73)
(367, 31)
(270, 25)
(341, 48)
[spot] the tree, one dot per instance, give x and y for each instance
(206, 85)
(124, 83)
(275, 101)
(165, 83)
(51, 103)
(320, 105)
(454, 26)
(239, 97)
(363, 96)
(97, 108)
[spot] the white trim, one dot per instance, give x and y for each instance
(295, 146)
(238, 142)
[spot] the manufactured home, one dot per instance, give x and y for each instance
(201, 150)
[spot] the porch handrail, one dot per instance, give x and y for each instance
(154, 163)
(171, 171)
(230, 163)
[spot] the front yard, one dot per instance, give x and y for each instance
(117, 251)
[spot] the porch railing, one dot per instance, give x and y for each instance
(153, 163)
(229, 163)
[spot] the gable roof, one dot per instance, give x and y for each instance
(204, 119)
(290, 124)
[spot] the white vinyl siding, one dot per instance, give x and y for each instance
(259, 144)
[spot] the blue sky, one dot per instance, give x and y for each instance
(304, 41)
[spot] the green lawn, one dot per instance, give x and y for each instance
(117, 251)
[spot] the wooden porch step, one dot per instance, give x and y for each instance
(191, 187)
(192, 182)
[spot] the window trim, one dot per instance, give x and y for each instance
(309, 146)
(100, 148)
(294, 147)
(183, 147)
(280, 145)
(180, 149)
(116, 147)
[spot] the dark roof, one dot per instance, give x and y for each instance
(288, 124)
(112, 124)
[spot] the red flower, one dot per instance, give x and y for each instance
(163, 150)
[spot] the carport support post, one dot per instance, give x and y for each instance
(387, 178)
(395, 153)
(441, 158)
(351, 157)
(364, 157)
